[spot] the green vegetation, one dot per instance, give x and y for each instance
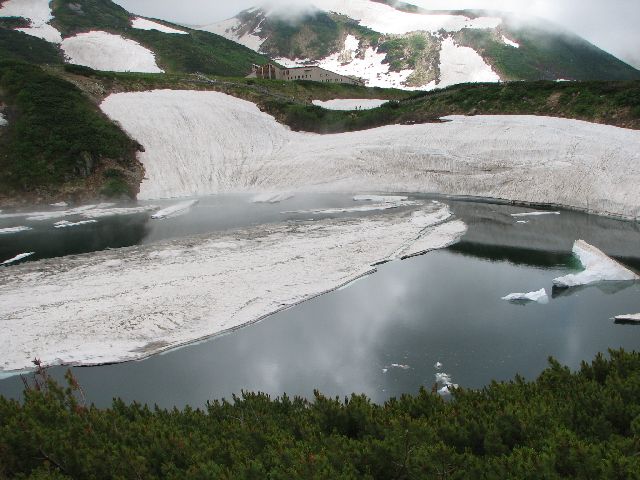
(314, 36)
(20, 46)
(562, 425)
(545, 54)
(55, 135)
(614, 103)
(199, 51)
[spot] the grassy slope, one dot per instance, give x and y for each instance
(20, 46)
(197, 52)
(57, 141)
(562, 425)
(545, 54)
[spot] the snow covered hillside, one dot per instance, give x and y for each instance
(234, 147)
(418, 49)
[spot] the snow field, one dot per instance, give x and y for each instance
(234, 147)
(106, 51)
(145, 24)
(130, 303)
(38, 12)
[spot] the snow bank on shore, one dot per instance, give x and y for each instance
(38, 12)
(350, 104)
(106, 51)
(234, 147)
(129, 303)
(598, 268)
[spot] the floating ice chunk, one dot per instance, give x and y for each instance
(443, 378)
(400, 366)
(628, 318)
(60, 204)
(350, 104)
(144, 24)
(539, 296)
(274, 197)
(385, 370)
(174, 210)
(598, 268)
(522, 222)
(533, 214)
(17, 258)
(109, 212)
(380, 198)
(10, 230)
(437, 366)
(66, 224)
(511, 43)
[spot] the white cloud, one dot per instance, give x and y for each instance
(611, 25)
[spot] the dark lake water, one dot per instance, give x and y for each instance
(441, 307)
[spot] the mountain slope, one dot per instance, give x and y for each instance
(408, 47)
(102, 35)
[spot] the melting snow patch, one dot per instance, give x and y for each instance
(229, 29)
(174, 210)
(106, 51)
(144, 24)
(511, 43)
(349, 104)
(598, 268)
(17, 258)
(3, 121)
(38, 12)
(463, 65)
(10, 230)
(628, 318)
(539, 296)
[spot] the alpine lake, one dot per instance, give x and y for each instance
(383, 334)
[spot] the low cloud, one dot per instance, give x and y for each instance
(611, 25)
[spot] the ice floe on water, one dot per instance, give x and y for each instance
(146, 24)
(272, 197)
(60, 204)
(11, 230)
(87, 211)
(126, 304)
(539, 296)
(174, 210)
(350, 104)
(66, 224)
(17, 258)
(233, 147)
(105, 51)
(534, 214)
(38, 12)
(598, 267)
(633, 318)
(359, 209)
(380, 198)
